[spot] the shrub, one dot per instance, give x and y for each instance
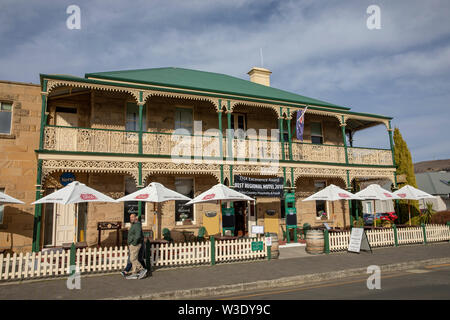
(440, 217)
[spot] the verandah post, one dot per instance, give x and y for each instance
(269, 249)
(326, 237)
(288, 120)
(213, 250)
(448, 225)
(73, 251)
(394, 227)
(148, 253)
(280, 126)
(424, 234)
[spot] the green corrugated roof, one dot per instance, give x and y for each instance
(207, 81)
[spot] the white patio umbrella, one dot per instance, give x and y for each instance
(4, 198)
(154, 192)
(220, 193)
(332, 193)
(74, 193)
(375, 192)
(410, 193)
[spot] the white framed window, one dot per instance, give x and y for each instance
(5, 117)
(130, 207)
(132, 117)
(184, 119)
(185, 186)
(321, 205)
(316, 133)
(2, 208)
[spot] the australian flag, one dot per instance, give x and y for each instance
(300, 123)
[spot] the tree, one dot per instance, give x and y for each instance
(405, 167)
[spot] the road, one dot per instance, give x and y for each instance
(430, 282)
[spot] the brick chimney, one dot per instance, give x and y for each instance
(260, 75)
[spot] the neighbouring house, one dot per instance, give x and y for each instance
(118, 131)
(436, 184)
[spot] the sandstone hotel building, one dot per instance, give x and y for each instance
(116, 132)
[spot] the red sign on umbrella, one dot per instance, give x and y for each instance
(343, 195)
(209, 196)
(387, 195)
(88, 196)
(142, 196)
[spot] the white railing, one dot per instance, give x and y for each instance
(410, 235)
(240, 249)
(317, 152)
(177, 254)
(339, 240)
(90, 140)
(381, 237)
(369, 156)
(46, 264)
(386, 237)
(437, 232)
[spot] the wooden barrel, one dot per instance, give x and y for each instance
(274, 250)
(314, 242)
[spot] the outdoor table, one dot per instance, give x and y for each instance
(187, 234)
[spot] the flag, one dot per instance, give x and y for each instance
(300, 123)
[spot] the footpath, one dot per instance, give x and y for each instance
(203, 281)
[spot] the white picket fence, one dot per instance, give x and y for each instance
(90, 260)
(437, 232)
(240, 249)
(385, 237)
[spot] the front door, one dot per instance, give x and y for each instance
(64, 223)
(240, 212)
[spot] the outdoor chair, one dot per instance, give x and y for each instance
(166, 235)
(201, 234)
(284, 233)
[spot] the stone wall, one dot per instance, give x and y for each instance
(338, 211)
(18, 164)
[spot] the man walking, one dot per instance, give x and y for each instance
(135, 237)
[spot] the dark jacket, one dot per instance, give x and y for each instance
(135, 235)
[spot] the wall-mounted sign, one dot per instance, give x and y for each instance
(259, 187)
(66, 178)
(258, 229)
(211, 214)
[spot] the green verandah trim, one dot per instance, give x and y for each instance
(212, 95)
(37, 211)
(268, 161)
(38, 208)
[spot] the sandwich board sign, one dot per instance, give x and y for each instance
(358, 241)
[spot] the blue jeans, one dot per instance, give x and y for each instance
(141, 259)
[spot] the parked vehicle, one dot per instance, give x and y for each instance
(368, 217)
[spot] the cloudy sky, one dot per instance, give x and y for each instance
(321, 49)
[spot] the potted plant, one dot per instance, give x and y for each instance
(323, 215)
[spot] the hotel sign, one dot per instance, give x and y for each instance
(259, 187)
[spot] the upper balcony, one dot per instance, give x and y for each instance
(100, 122)
(69, 139)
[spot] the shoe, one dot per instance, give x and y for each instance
(132, 276)
(124, 274)
(142, 274)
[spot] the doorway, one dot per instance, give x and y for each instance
(240, 213)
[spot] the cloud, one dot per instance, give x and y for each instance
(321, 49)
